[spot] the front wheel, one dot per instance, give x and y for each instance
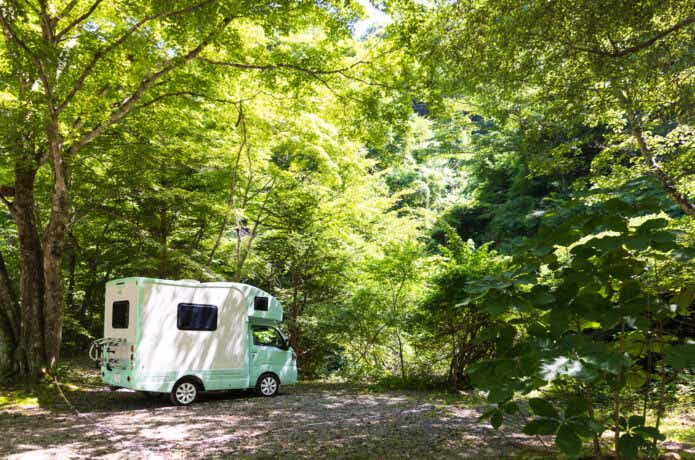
(267, 385)
(184, 393)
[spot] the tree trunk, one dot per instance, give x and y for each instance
(72, 265)
(9, 321)
(400, 355)
(163, 238)
(54, 248)
(31, 344)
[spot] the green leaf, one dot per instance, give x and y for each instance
(628, 446)
(584, 426)
(496, 419)
(576, 406)
(638, 242)
(685, 298)
(568, 441)
(541, 426)
(540, 296)
(650, 432)
(543, 408)
(650, 225)
(682, 254)
(499, 394)
(511, 408)
(680, 356)
(635, 421)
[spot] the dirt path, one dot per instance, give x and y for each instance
(306, 421)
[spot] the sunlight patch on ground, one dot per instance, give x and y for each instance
(305, 421)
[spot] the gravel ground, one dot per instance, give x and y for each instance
(304, 421)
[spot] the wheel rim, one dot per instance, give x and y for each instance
(185, 393)
(268, 386)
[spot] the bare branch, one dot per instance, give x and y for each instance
(77, 20)
(98, 55)
(130, 102)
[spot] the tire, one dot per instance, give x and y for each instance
(267, 385)
(185, 392)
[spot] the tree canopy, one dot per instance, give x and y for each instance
(485, 194)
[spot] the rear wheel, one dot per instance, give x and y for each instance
(267, 385)
(185, 391)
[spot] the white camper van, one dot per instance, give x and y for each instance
(184, 337)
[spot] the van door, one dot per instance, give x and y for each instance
(269, 352)
(120, 326)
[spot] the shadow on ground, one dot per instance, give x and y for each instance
(305, 421)
(309, 420)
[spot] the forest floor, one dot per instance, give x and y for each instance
(309, 420)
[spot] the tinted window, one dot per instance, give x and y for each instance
(119, 314)
(196, 317)
(260, 303)
(267, 336)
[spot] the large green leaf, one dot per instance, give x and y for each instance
(568, 441)
(649, 432)
(540, 296)
(628, 446)
(499, 394)
(543, 408)
(496, 419)
(576, 406)
(541, 426)
(680, 356)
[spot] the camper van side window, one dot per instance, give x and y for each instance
(268, 336)
(119, 314)
(196, 317)
(260, 303)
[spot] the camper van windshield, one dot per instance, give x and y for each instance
(263, 335)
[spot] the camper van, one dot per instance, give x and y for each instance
(184, 337)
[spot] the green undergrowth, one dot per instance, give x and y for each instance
(76, 376)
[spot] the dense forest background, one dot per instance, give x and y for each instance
(472, 193)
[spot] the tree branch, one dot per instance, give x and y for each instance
(11, 33)
(129, 103)
(159, 97)
(317, 74)
(68, 8)
(5, 191)
(616, 53)
(98, 55)
(656, 169)
(312, 72)
(77, 20)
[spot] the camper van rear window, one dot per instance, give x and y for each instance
(119, 314)
(260, 303)
(196, 317)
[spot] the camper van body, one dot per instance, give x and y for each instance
(158, 333)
